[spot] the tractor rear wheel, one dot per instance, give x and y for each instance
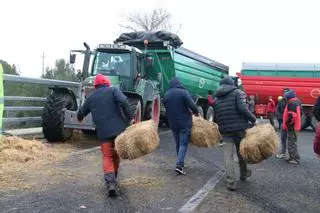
(53, 117)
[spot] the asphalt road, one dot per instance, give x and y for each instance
(150, 184)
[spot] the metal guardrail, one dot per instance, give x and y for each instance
(39, 81)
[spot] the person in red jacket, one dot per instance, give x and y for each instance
(316, 142)
(271, 108)
(210, 98)
(291, 124)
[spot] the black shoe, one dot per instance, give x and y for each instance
(112, 190)
(180, 171)
(247, 174)
(231, 186)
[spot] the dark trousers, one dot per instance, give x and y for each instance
(271, 118)
(292, 145)
(284, 135)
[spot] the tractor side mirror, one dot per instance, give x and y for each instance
(72, 58)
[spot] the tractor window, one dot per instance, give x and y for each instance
(112, 64)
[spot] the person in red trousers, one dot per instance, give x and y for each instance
(105, 104)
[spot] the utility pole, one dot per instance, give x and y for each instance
(43, 56)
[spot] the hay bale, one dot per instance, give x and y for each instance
(204, 133)
(137, 140)
(260, 143)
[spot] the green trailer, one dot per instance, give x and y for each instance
(141, 65)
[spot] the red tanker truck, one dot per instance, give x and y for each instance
(268, 79)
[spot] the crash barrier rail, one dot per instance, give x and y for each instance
(15, 99)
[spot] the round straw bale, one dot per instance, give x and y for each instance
(260, 143)
(204, 133)
(137, 140)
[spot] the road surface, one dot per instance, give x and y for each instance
(149, 184)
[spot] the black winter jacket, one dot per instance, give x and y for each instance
(105, 105)
(231, 112)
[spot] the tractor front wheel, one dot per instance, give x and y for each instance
(53, 117)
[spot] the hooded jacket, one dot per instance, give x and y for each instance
(178, 104)
(292, 115)
(231, 112)
(105, 104)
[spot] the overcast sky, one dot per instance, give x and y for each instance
(228, 31)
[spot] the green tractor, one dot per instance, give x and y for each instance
(141, 64)
(124, 66)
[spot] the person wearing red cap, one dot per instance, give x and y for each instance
(105, 104)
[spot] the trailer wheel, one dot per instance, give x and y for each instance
(313, 123)
(200, 111)
(135, 105)
(53, 117)
(303, 121)
(210, 114)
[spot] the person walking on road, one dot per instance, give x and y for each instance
(292, 124)
(104, 104)
(271, 108)
(284, 133)
(233, 118)
(178, 104)
(316, 114)
(279, 110)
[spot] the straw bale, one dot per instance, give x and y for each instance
(260, 143)
(137, 140)
(204, 133)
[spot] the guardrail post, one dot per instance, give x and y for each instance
(1, 99)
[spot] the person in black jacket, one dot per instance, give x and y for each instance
(179, 104)
(233, 117)
(104, 104)
(280, 109)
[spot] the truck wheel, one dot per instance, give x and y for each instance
(303, 121)
(314, 123)
(53, 117)
(135, 105)
(210, 114)
(155, 113)
(200, 111)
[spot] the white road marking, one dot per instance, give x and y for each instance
(196, 199)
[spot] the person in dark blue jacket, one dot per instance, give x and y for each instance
(105, 104)
(179, 108)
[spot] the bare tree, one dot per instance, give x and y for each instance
(157, 19)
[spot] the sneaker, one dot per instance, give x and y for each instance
(293, 162)
(180, 171)
(280, 156)
(231, 186)
(112, 190)
(221, 143)
(247, 175)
